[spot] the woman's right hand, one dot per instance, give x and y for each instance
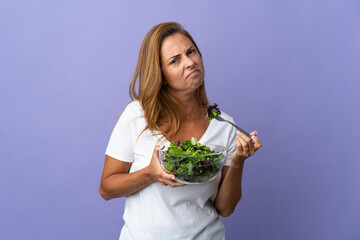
(158, 173)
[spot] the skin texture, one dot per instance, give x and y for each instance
(184, 72)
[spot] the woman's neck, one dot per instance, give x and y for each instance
(192, 106)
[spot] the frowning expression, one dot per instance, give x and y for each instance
(181, 64)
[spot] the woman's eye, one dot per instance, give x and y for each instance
(191, 51)
(173, 61)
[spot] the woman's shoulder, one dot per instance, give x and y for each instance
(133, 105)
(133, 109)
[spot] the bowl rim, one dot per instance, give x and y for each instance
(208, 145)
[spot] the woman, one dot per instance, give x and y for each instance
(170, 105)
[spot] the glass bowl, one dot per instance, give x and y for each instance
(194, 169)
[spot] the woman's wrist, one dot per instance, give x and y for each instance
(237, 163)
(149, 174)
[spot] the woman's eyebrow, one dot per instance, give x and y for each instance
(175, 56)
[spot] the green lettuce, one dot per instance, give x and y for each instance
(191, 161)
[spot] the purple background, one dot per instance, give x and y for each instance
(288, 69)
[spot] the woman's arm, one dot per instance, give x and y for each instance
(229, 193)
(116, 181)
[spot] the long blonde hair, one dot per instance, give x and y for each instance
(155, 100)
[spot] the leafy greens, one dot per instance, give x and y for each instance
(191, 161)
(212, 111)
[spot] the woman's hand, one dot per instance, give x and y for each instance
(158, 173)
(245, 147)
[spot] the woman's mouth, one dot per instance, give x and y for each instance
(193, 73)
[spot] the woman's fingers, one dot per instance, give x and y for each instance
(171, 183)
(162, 176)
(242, 145)
(159, 170)
(247, 146)
(257, 142)
(165, 180)
(168, 179)
(246, 142)
(157, 148)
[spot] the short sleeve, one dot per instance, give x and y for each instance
(231, 144)
(123, 137)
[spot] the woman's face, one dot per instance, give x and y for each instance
(181, 64)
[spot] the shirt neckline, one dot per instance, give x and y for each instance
(201, 140)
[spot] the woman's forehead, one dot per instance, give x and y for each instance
(175, 44)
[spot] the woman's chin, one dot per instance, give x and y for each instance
(196, 83)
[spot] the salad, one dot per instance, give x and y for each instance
(212, 111)
(192, 162)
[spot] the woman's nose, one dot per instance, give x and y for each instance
(189, 62)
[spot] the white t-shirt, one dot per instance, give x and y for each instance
(160, 212)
